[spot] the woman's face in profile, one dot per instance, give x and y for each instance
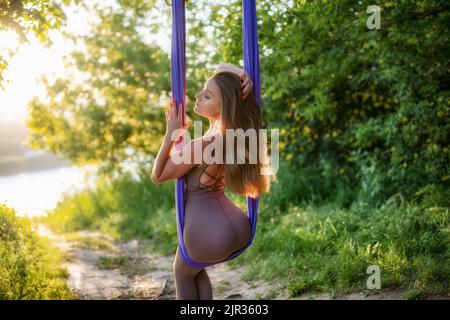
(207, 101)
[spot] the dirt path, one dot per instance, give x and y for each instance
(100, 269)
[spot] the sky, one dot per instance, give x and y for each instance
(33, 60)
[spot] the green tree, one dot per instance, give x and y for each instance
(363, 114)
(26, 17)
(357, 108)
(114, 113)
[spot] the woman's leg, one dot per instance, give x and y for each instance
(204, 288)
(213, 229)
(185, 284)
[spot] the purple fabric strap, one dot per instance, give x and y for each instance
(178, 78)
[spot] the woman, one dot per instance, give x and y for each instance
(214, 226)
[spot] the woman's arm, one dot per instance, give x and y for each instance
(164, 168)
(161, 158)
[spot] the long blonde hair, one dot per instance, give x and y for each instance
(236, 113)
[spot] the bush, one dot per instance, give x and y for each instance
(29, 266)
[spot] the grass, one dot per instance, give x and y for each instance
(271, 294)
(305, 246)
(328, 249)
(89, 242)
(30, 268)
(112, 262)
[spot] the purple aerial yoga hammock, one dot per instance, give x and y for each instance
(178, 77)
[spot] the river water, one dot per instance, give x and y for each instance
(32, 193)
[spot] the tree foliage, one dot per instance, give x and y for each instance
(363, 114)
(357, 107)
(112, 113)
(26, 17)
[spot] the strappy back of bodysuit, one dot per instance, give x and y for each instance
(210, 177)
(213, 181)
